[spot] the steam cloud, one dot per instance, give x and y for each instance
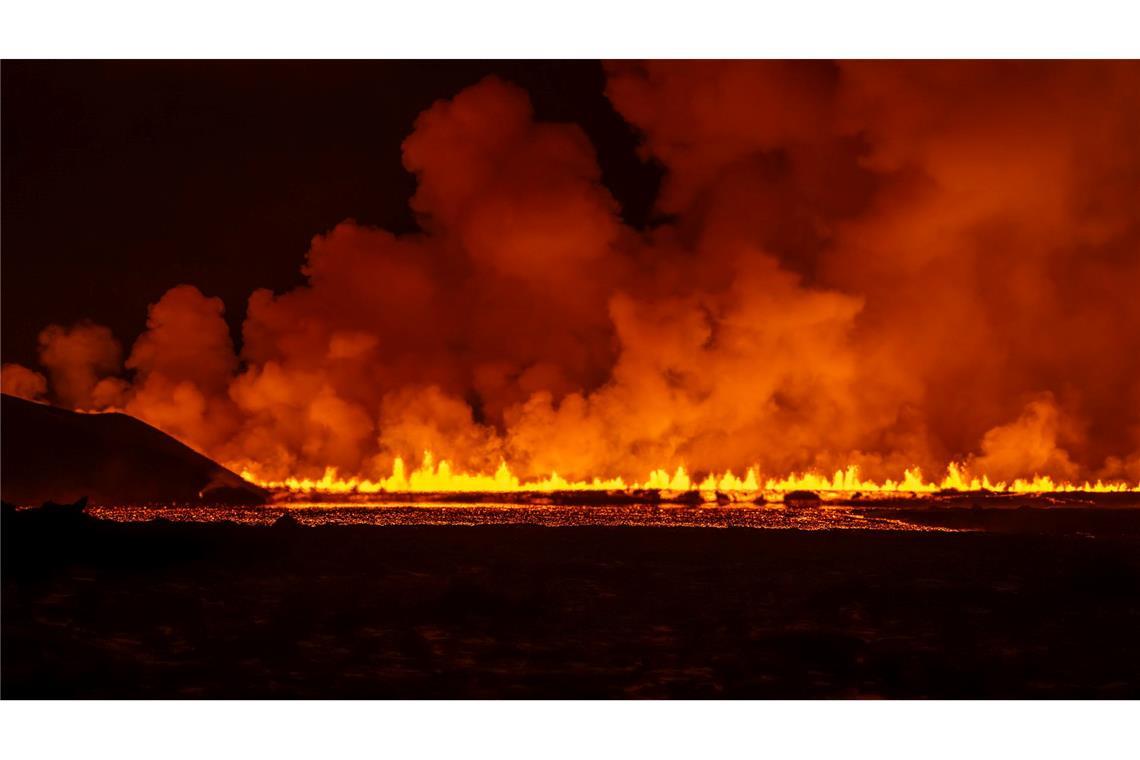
(885, 264)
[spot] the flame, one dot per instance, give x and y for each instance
(431, 477)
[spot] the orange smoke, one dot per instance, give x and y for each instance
(875, 269)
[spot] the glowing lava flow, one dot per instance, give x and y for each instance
(430, 477)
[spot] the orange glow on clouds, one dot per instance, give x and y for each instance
(870, 268)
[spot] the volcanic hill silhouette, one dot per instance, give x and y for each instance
(55, 454)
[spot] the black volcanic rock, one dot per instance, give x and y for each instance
(286, 521)
(801, 499)
(51, 454)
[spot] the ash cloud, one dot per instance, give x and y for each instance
(884, 264)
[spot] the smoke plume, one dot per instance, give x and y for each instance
(886, 264)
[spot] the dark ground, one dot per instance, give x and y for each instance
(100, 609)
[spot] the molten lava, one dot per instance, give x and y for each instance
(432, 477)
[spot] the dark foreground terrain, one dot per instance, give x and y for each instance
(100, 609)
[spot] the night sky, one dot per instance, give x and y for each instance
(123, 178)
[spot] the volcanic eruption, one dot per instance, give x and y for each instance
(859, 276)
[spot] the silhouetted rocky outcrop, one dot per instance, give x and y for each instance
(51, 454)
(77, 507)
(801, 499)
(286, 521)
